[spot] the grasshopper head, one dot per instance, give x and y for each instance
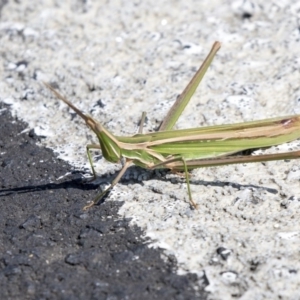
(109, 144)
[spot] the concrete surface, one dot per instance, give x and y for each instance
(117, 59)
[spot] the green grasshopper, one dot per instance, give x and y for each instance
(187, 149)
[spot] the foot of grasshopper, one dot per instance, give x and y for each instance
(127, 164)
(88, 149)
(185, 169)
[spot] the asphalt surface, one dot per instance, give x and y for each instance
(51, 249)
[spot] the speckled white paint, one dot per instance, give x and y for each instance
(138, 56)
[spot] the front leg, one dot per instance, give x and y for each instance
(88, 148)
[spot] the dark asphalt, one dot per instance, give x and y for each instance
(51, 249)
